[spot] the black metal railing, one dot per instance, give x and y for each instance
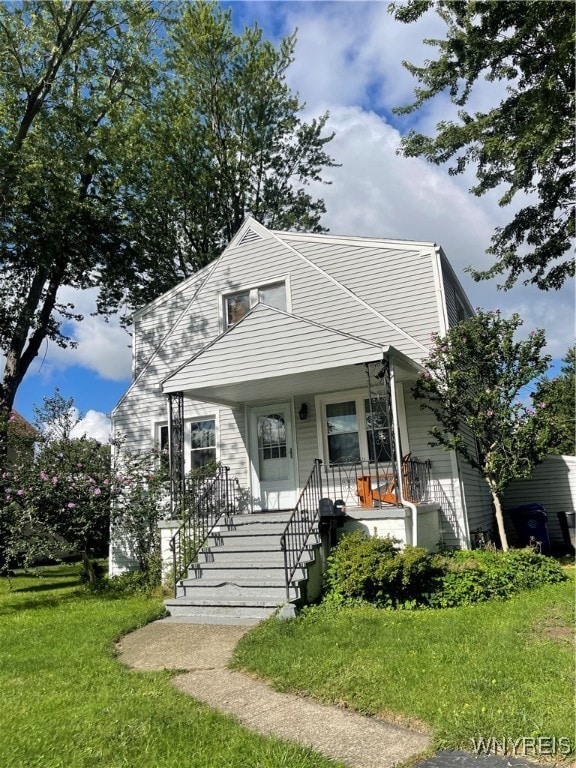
(416, 479)
(207, 498)
(368, 484)
(302, 524)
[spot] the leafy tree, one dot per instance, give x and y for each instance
(60, 500)
(225, 138)
(555, 402)
(526, 142)
(68, 496)
(71, 71)
(473, 385)
(125, 167)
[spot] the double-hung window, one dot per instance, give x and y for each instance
(352, 431)
(202, 442)
(199, 443)
(236, 305)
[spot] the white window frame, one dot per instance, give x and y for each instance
(253, 291)
(356, 395)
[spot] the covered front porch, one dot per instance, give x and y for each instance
(324, 404)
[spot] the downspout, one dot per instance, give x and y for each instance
(397, 448)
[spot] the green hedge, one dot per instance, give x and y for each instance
(369, 569)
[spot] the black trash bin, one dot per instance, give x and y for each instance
(568, 528)
(531, 523)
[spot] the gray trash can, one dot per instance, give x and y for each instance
(531, 523)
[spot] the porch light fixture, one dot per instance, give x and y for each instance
(303, 412)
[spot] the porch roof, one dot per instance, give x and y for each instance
(273, 353)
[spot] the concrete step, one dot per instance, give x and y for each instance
(228, 557)
(262, 571)
(219, 592)
(240, 575)
(243, 539)
(238, 609)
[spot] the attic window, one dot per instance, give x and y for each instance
(236, 305)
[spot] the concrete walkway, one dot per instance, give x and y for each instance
(203, 650)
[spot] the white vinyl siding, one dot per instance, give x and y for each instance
(444, 484)
(377, 293)
(553, 485)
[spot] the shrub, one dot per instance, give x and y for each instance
(373, 570)
(365, 569)
(479, 575)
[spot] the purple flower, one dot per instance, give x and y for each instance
(97, 491)
(541, 405)
(489, 413)
(71, 505)
(20, 492)
(43, 476)
(54, 480)
(427, 374)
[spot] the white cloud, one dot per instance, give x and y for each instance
(378, 193)
(103, 346)
(94, 424)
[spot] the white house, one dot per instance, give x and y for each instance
(290, 361)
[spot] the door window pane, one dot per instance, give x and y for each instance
(342, 430)
(272, 447)
(202, 443)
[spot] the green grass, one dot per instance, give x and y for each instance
(65, 701)
(493, 670)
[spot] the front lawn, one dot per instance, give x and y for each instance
(65, 701)
(497, 669)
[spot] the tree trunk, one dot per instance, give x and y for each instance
(500, 520)
(88, 569)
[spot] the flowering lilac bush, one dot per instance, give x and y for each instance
(67, 498)
(59, 501)
(472, 384)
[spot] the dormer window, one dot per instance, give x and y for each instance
(236, 305)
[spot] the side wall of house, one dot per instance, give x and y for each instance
(445, 483)
(477, 498)
(553, 485)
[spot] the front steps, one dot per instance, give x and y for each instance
(239, 576)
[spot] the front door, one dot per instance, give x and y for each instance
(272, 456)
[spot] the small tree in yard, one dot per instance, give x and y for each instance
(472, 384)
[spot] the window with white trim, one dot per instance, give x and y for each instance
(202, 442)
(199, 442)
(236, 305)
(351, 433)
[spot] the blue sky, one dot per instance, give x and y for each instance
(348, 61)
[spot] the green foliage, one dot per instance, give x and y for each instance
(224, 138)
(141, 582)
(555, 403)
(370, 569)
(65, 500)
(525, 143)
(479, 575)
(71, 73)
(135, 137)
(473, 385)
